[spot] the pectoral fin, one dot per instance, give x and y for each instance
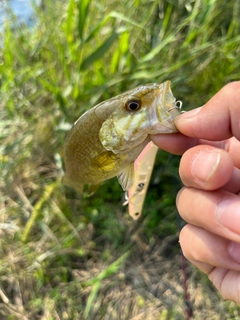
(106, 161)
(126, 177)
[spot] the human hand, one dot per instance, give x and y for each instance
(210, 202)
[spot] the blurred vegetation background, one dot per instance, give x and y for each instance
(63, 257)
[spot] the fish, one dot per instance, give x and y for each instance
(106, 140)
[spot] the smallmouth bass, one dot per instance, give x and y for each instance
(106, 140)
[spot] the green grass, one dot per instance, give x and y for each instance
(63, 257)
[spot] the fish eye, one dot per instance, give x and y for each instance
(133, 105)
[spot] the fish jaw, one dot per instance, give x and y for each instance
(162, 111)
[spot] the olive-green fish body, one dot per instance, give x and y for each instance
(105, 141)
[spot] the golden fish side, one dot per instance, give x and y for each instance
(105, 141)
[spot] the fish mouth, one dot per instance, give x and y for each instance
(165, 109)
(167, 101)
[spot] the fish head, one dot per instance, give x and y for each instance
(147, 109)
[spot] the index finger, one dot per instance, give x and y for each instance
(175, 143)
(178, 143)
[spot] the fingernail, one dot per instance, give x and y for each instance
(234, 251)
(187, 115)
(205, 164)
(228, 214)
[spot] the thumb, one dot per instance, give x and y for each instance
(217, 120)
